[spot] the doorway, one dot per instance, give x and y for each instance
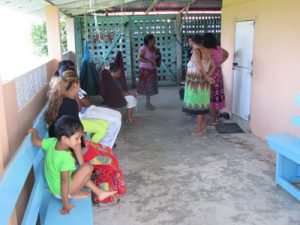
(243, 72)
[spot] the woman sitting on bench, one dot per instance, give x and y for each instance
(89, 111)
(62, 101)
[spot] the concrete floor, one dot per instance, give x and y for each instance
(174, 178)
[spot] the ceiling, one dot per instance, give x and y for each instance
(80, 7)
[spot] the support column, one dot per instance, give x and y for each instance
(4, 148)
(70, 28)
(53, 32)
(179, 47)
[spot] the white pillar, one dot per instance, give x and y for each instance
(4, 148)
(53, 32)
(70, 28)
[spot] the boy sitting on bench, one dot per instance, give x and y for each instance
(64, 180)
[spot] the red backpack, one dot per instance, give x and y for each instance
(109, 176)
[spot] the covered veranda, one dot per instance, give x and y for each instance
(171, 177)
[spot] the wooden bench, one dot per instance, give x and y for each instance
(287, 148)
(42, 205)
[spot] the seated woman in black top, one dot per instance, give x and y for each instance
(62, 94)
(89, 111)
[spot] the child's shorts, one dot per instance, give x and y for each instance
(59, 196)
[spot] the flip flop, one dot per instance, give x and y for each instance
(195, 134)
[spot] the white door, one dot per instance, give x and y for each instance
(242, 69)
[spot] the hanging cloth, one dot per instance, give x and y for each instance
(88, 73)
(120, 63)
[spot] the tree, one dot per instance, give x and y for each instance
(39, 37)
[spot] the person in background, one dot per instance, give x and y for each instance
(88, 111)
(63, 179)
(219, 56)
(188, 49)
(149, 60)
(113, 94)
(197, 87)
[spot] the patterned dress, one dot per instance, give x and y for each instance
(148, 81)
(217, 89)
(197, 90)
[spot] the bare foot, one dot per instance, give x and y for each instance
(105, 194)
(81, 194)
(135, 119)
(132, 120)
(149, 106)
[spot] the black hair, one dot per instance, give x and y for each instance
(189, 37)
(63, 66)
(197, 39)
(148, 38)
(67, 126)
(114, 67)
(209, 40)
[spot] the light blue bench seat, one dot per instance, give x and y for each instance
(287, 148)
(42, 205)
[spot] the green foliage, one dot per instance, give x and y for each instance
(63, 35)
(39, 38)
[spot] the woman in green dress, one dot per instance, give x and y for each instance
(197, 85)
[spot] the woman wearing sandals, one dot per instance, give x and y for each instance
(197, 86)
(149, 60)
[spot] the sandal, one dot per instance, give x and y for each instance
(195, 134)
(215, 123)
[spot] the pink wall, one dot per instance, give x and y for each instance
(17, 122)
(276, 79)
(14, 127)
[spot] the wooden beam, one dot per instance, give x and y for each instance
(186, 9)
(152, 6)
(62, 11)
(98, 6)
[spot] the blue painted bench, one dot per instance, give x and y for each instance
(42, 205)
(287, 148)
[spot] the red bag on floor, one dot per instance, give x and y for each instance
(109, 176)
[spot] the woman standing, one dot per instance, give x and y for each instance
(197, 86)
(149, 60)
(219, 55)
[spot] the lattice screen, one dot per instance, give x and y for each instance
(113, 34)
(133, 29)
(198, 24)
(163, 30)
